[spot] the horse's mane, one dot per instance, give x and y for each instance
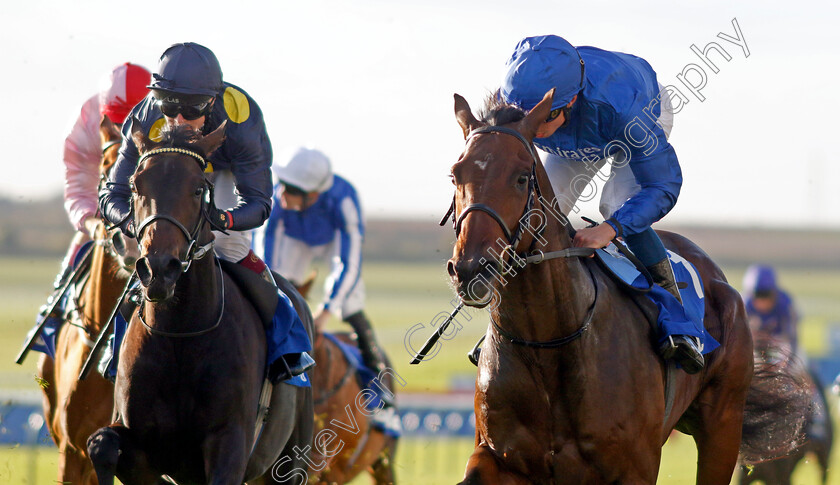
(181, 136)
(497, 112)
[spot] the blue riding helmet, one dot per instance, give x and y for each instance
(539, 64)
(188, 69)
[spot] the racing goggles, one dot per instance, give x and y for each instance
(188, 111)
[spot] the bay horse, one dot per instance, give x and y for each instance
(74, 409)
(334, 390)
(193, 360)
(569, 389)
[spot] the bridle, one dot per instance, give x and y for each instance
(515, 237)
(194, 251)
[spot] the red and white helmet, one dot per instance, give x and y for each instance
(123, 88)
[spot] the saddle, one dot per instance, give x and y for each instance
(262, 294)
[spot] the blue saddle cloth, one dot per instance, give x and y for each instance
(674, 319)
(365, 377)
(286, 335)
(45, 343)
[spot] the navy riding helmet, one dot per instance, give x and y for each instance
(188, 69)
(539, 64)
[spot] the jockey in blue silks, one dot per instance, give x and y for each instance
(187, 89)
(607, 106)
(770, 310)
(317, 215)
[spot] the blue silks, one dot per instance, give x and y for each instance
(674, 319)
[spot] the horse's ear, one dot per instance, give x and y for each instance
(464, 115)
(213, 140)
(536, 117)
(141, 141)
(107, 129)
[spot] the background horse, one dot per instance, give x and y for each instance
(818, 434)
(569, 389)
(74, 409)
(193, 360)
(334, 390)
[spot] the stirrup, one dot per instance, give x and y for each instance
(281, 370)
(686, 350)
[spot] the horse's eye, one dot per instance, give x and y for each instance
(522, 180)
(452, 179)
(132, 186)
(199, 191)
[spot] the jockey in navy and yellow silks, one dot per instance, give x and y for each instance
(606, 106)
(246, 151)
(187, 89)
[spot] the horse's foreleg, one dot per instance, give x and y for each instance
(383, 467)
(114, 454)
(225, 455)
(484, 469)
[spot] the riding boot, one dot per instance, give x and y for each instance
(687, 350)
(663, 275)
(372, 355)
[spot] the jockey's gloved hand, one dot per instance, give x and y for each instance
(219, 219)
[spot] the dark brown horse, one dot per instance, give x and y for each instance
(74, 409)
(818, 428)
(569, 389)
(334, 390)
(193, 360)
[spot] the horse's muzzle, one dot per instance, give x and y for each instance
(475, 280)
(158, 274)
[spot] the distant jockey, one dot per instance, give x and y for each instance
(124, 87)
(607, 106)
(187, 89)
(770, 310)
(317, 214)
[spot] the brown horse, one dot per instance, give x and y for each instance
(193, 360)
(74, 409)
(569, 389)
(818, 428)
(334, 390)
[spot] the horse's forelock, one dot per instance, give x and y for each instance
(181, 136)
(497, 112)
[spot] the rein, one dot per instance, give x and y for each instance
(514, 238)
(348, 373)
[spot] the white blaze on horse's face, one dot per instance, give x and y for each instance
(482, 164)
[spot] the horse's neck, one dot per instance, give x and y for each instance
(547, 300)
(196, 302)
(103, 288)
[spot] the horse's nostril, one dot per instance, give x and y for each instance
(143, 271)
(450, 267)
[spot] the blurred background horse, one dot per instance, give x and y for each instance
(74, 409)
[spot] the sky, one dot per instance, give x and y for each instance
(370, 83)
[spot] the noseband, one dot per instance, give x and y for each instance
(193, 252)
(513, 237)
